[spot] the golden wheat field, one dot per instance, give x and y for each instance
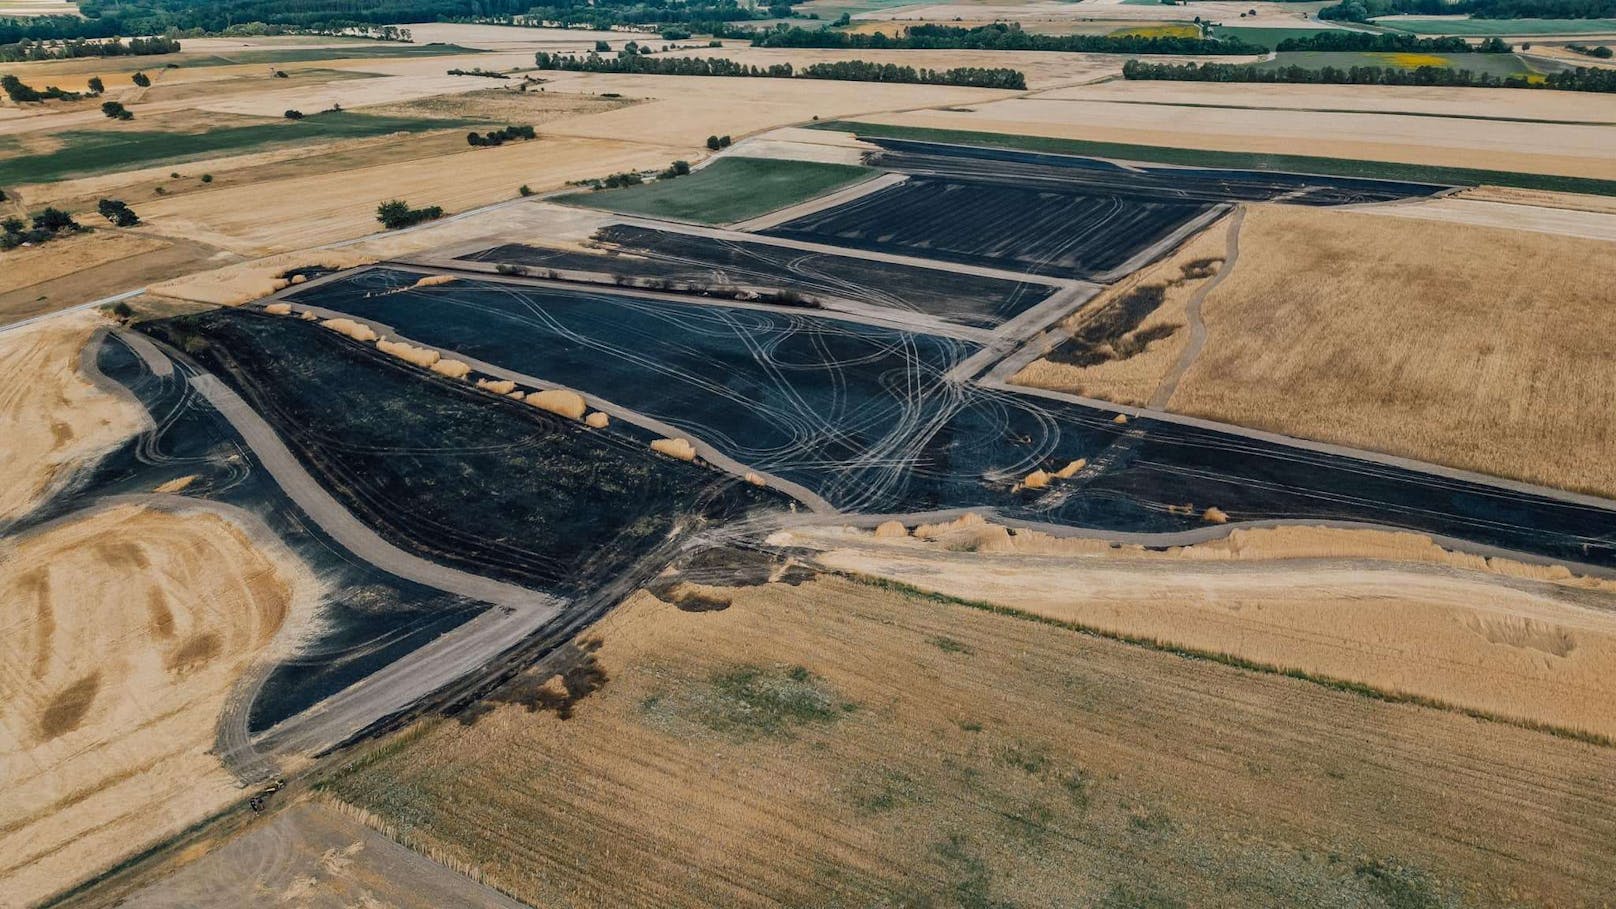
(1138, 359)
(1475, 347)
(837, 743)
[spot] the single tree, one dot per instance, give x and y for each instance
(712, 142)
(141, 79)
(116, 111)
(294, 115)
(96, 85)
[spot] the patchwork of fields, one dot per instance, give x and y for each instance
(1000, 502)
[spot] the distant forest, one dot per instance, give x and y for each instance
(1361, 10)
(1000, 36)
(1582, 79)
(116, 18)
(850, 70)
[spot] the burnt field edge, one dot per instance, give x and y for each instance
(1254, 161)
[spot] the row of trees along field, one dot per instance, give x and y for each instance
(1582, 79)
(998, 36)
(1338, 39)
(112, 18)
(851, 70)
(1362, 10)
(79, 47)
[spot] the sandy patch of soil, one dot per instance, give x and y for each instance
(1589, 225)
(1531, 651)
(1475, 347)
(53, 419)
(127, 628)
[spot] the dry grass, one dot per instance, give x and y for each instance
(126, 630)
(1391, 611)
(559, 401)
(53, 420)
(1134, 370)
(837, 744)
(27, 266)
(674, 448)
(1469, 346)
(1549, 148)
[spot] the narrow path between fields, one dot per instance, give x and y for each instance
(1192, 311)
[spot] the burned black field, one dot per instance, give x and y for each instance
(643, 253)
(451, 473)
(866, 417)
(1043, 231)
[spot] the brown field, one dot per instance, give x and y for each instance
(312, 855)
(837, 744)
(1551, 148)
(1132, 377)
(1539, 198)
(298, 212)
(26, 266)
(1475, 347)
(126, 630)
(1390, 611)
(53, 419)
(1567, 222)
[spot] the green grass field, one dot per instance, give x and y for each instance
(1191, 157)
(1487, 27)
(100, 151)
(1497, 64)
(729, 189)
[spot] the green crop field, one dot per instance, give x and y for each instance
(99, 151)
(730, 189)
(1487, 27)
(1496, 64)
(1192, 157)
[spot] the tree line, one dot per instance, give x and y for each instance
(1581, 79)
(999, 36)
(1362, 10)
(851, 70)
(1338, 39)
(79, 47)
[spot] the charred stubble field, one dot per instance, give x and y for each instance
(832, 743)
(637, 252)
(449, 472)
(864, 417)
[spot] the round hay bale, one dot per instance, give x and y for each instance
(675, 448)
(892, 530)
(597, 420)
(299, 279)
(352, 329)
(279, 309)
(1120, 419)
(1215, 515)
(497, 386)
(754, 479)
(569, 404)
(454, 369)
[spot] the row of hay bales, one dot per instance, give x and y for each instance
(559, 401)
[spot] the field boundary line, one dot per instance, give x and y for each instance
(881, 180)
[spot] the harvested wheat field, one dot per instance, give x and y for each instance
(1474, 347)
(1522, 642)
(51, 418)
(298, 212)
(839, 744)
(1547, 148)
(126, 630)
(1124, 342)
(32, 265)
